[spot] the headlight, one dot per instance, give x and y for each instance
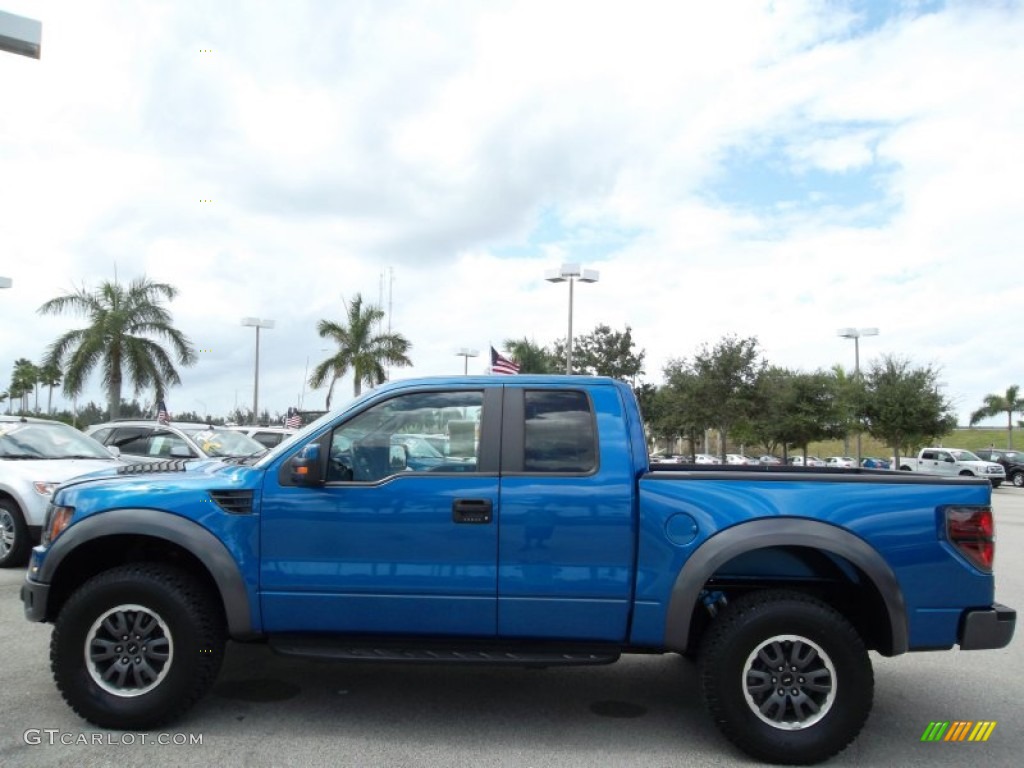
(44, 488)
(57, 519)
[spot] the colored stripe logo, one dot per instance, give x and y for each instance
(958, 730)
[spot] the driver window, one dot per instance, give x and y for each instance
(418, 432)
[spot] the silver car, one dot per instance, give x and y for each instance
(141, 440)
(37, 455)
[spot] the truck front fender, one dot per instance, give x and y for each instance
(185, 533)
(781, 532)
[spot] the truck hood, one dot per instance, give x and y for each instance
(175, 485)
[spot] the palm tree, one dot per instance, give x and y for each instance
(995, 405)
(23, 381)
(50, 376)
(531, 356)
(121, 320)
(360, 349)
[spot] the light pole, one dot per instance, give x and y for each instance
(570, 273)
(855, 334)
(257, 323)
(465, 353)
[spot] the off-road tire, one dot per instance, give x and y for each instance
(16, 543)
(730, 669)
(177, 614)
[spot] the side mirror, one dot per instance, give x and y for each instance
(306, 467)
(399, 458)
(114, 451)
(950, 460)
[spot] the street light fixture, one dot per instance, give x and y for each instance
(20, 35)
(5, 282)
(257, 323)
(570, 273)
(465, 353)
(855, 334)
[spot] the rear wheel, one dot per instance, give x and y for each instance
(786, 678)
(136, 646)
(1017, 478)
(14, 535)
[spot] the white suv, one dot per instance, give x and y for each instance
(141, 440)
(268, 437)
(37, 455)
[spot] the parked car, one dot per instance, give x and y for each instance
(37, 455)
(739, 459)
(873, 462)
(840, 461)
(812, 461)
(268, 437)
(954, 461)
(145, 440)
(706, 458)
(1011, 460)
(769, 459)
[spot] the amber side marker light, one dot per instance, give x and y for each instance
(972, 531)
(56, 523)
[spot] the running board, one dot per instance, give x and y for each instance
(348, 649)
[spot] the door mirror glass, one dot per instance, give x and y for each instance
(306, 467)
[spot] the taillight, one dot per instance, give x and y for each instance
(972, 531)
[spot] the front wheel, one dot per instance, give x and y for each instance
(14, 535)
(1017, 479)
(136, 646)
(786, 678)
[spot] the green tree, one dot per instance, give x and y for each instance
(23, 381)
(604, 352)
(117, 340)
(361, 349)
(680, 407)
(530, 356)
(727, 375)
(767, 422)
(902, 405)
(995, 405)
(50, 376)
(811, 410)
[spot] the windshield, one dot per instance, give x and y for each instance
(964, 456)
(224, 443)
(34, 440)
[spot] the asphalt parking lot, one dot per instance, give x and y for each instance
(266, 710)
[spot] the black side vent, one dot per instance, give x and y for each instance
(147, 467)
(233, 502)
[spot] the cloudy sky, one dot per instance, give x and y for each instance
(772, 169)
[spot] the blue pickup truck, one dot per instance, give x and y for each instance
(536, 534)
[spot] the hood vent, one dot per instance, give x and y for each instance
(148, 467)
(233, 502)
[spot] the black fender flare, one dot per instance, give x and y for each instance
(777, 532)
(187, 534)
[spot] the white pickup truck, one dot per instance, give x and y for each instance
(954, 461)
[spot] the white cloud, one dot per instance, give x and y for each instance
(436, 140)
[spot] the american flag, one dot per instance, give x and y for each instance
(292, 420)
(162, 416)
(501, 364)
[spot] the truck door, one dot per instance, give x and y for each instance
(402, 538)
(944, 463)
(567, 533)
